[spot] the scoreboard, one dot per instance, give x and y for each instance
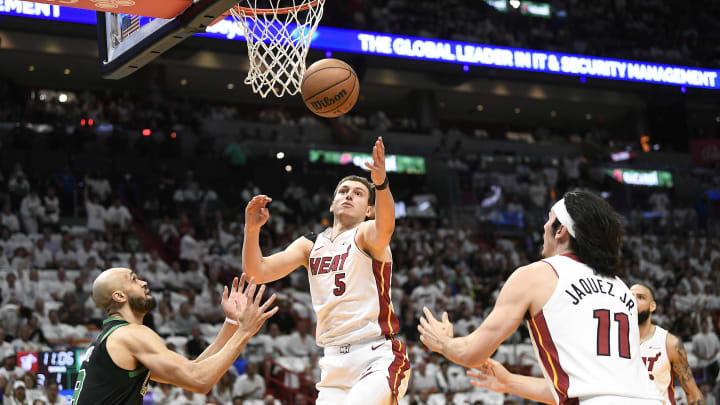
(60, 365)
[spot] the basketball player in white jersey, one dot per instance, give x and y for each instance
(349, 266)
(662, 351)
(582, 318)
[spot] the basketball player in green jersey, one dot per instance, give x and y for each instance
(127, 354)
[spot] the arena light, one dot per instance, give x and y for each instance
(645, 142)
(82, 122)
(90, 122)
(622, 155)
(62, 97)
(535, 9)
(146, 132)
(173, 135)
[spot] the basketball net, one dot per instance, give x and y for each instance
(278, 40)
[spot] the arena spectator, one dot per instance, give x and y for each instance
(706, 347)
(52, 396)
(249, 385)
(42, 257)
(32, 211)
(66, 256)
(9, 220)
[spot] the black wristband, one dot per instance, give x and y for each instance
(382, 186)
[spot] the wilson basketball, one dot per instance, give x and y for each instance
(330, 88)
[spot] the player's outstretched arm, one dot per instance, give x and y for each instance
(169, 367)
(681, 370)
(376, 234)
(493, 376)
(512, 304)
(277, 266)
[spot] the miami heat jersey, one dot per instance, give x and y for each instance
(655, 357)
(350, 291)
(588, 341)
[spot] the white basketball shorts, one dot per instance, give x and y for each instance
(369, 373)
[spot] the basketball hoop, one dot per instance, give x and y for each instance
(278, 39)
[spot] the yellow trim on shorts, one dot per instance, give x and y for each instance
(394, 387)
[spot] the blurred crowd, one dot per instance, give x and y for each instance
(646, 30)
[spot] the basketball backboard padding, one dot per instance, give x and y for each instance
(149, 8)
(159, 36)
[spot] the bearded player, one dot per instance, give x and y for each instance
(126, 353)
(350, 267)
(662, 352)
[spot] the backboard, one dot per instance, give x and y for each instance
(127, 42)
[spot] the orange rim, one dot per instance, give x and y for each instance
(285, 10)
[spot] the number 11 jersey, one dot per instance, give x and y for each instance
(587, 339)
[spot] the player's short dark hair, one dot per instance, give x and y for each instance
(598, 232)
(652, 292)
(367, 183)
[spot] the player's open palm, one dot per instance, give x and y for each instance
(377, 168)
(233, 301)
(255, 311)
(433, 333)
(491, 375)
(256, 212)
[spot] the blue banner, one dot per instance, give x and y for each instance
(462, 53)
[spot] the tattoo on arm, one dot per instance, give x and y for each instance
(681, 367)
(682, 372)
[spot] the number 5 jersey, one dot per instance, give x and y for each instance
(350, 291)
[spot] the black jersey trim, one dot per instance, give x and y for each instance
(312, 236)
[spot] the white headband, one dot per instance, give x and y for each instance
(564, 217)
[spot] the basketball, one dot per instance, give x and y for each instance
(330, 88)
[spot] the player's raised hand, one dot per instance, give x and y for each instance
(233, 303)
(255, 312)
(447, 325)
(433, 333)
(491, 375)
(377, 168)
(256, 212)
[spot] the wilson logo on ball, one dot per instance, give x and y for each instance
(328, 101)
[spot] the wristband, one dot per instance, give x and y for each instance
(384, 185)
(230, 321)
